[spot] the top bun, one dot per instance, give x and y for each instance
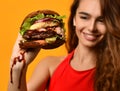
(46, 12)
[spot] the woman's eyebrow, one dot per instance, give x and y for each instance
(84, 13)
(100, 17)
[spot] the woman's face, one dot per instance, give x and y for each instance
(89, 23)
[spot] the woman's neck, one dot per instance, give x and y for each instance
(84, 58)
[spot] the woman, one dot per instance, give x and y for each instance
(93, 60)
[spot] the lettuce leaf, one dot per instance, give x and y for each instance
(28, 22)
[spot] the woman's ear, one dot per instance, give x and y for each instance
(74, 24)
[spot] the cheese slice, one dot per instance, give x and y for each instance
(43, 25)
(37, 25)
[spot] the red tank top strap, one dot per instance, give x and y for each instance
(65, 78)
(61, 68)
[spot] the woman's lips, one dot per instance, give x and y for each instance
(90, 36)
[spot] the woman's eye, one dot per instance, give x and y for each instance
(101, 20)
(83, 17)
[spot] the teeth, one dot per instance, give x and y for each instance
(90, 36)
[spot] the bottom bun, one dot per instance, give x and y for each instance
(41, 44)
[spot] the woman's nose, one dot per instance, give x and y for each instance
(92, 26)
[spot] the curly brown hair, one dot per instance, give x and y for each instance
(107, 75)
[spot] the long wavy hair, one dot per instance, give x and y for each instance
(107, 75)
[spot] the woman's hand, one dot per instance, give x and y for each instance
(20, 59)
(28, 54)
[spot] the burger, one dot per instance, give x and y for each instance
(42, 28)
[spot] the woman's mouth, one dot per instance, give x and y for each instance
(90, 36)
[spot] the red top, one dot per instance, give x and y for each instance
(65, 78)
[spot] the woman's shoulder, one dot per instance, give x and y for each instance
(52, 62)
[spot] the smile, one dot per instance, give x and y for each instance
(90, 37)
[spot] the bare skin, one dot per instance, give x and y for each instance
(43, 70)
(90, 30)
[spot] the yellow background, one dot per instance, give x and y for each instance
(12, 12)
